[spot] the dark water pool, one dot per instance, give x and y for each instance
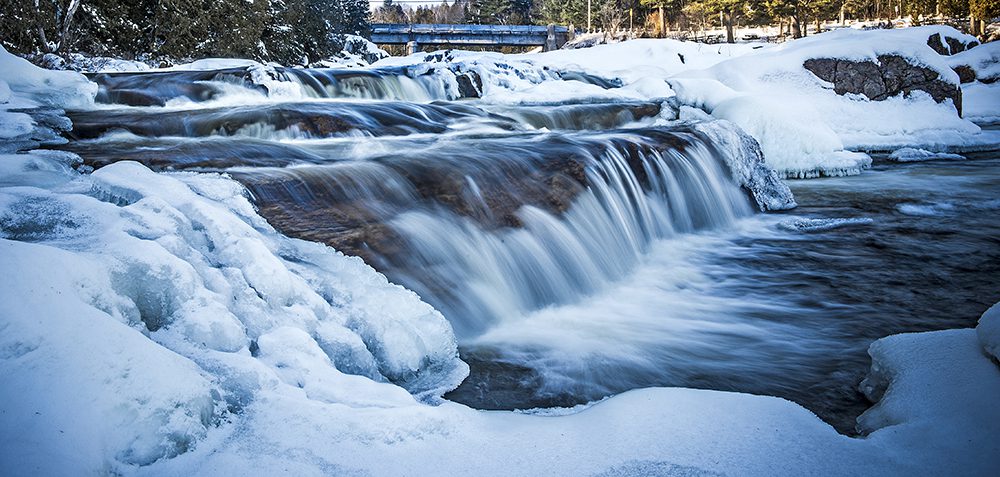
(785, 305)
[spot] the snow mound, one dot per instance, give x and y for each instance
(984, 60)
(805, 128)
(934, 387)
(81, 387)
(205, 304)
(41, 93)
(988, 331)
(981, 102)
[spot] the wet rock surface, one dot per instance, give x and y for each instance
(321, 204)
(891, 76)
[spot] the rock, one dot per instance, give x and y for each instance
(470, 84)
(891, 76)
(965, 73)
(934, 41)
(954, 44)
(950, 46)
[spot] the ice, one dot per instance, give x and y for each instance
(924, 210)
(81, 388)
(188, 282)
(909, 154)
(822, 224)
(746, 164)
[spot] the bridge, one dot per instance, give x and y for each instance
(548, 37)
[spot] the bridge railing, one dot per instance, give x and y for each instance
(548, 37)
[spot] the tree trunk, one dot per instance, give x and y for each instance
(67, 22)
(727, 18)
(796, 27)
(663, 23)
(819, 26)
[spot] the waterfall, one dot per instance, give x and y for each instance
(492, 234)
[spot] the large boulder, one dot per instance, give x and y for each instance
(890, 76)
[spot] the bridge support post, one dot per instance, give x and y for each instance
(550, 38)
(412, 47)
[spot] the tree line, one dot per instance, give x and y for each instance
(659, 16)
(285, 31)
(306, 31)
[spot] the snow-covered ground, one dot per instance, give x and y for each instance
(271, 355)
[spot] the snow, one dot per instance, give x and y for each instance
(909, 154)
(981, 102)
(803, 126)
(988, 331)
(983, 59)
(181, 274)
(32, 86)
(808, 130)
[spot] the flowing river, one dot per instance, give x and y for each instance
(581, 249)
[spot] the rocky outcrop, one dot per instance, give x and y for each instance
(891, 76)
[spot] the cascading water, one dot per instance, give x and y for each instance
(564, 243)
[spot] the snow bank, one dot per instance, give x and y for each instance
(935, 416)
(988, 331)
(631, 70)
(805, 128)
(185, 304)
(936, 387)
(981, 93)
(25, 86)
(80, 387)
(981, 102)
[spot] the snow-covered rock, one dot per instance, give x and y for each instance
(807, 129)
